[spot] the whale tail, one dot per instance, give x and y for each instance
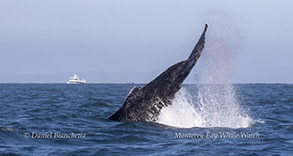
(144, 104)
(197, 50)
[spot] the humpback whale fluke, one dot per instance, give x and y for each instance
(144, 104)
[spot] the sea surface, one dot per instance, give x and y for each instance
(61, 119)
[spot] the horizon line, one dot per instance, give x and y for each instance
(142, 83)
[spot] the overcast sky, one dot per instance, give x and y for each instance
(135, 40)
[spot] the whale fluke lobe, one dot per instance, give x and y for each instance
(144, 104)
(196, 52)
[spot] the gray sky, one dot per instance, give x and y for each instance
(134, 41)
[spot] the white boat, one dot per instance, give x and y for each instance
(76, 80)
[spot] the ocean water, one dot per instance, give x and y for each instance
(60, 119)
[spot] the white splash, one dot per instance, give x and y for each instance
(181, 113)
(214, 104)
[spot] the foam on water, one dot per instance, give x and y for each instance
(214, 104)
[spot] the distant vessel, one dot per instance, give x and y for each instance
(76, 80)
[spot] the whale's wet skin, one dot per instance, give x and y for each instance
(145, 104)
(46, 108)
